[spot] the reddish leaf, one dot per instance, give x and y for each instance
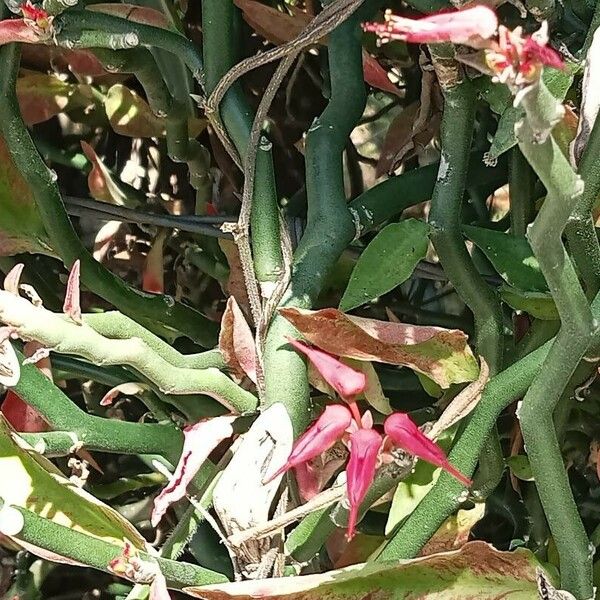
(236, 341)
(16, 30)
(153, 278)
(131, 12)
(442, 354)
(376, 76)
(100, 181)
(42, 96)
(274, 25)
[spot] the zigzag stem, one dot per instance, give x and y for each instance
(95, 433)
(63, 238)
(564, 189)
(62, 335)
(330, 225)
(446, 235)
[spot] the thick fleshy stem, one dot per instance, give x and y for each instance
(60, 230)
(580, 229)
(98, 553)
(564, 188)
(446, 234)
(330, 225)
(62, 335)
(93, 432)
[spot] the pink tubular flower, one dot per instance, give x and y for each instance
(471, 26)
(405, 434)
(346, 381)
(318, 438)
(360, 472)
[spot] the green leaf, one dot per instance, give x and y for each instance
(511, 256)
(520, 467)
(538, 304)
(21, 228)
(32, 482)
(386, 262)
(477, 570)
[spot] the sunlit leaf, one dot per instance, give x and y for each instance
(540, 305)
(477, 570)
(386, 262)
(21, 228)
(511, 256)
(32, 482)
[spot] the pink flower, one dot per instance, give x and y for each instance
(518, 60)
(360, 472)
(405, 434)
(321, 436)
(346, 381)
(471, 27)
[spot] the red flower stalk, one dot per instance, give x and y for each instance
(345, 380)
(471, 27)
(360, 472)
(318, 438)
(405, 434)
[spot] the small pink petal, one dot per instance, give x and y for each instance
(199, 441)
(469, 26)
(346, 381)
(12, 279)
(320, 436)
(72, 304)
(405, 434)
(360, 472)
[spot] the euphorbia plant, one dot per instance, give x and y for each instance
(194, 441)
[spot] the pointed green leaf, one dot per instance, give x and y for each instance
(538, 304)
(386, 262)
(511, 256)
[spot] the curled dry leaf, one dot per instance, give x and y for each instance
(72, 303)
(10, 370)
(240, 499)
(13, 278)
(236, 341)
(463, 403)
(235, 285)
(127, 389)
(199, 441)
(477, 566)
(441, 354)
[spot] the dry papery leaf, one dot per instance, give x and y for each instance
(236, 341)
(442, 354)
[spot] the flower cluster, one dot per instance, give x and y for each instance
(517, 59)
(367, 446)
(37, 18)
(514, 58)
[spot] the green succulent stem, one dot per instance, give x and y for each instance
(564, 188)
(63, 237)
